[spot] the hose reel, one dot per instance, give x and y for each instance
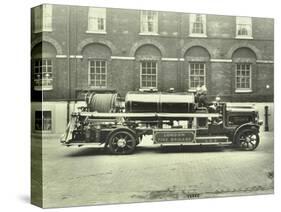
(103, 102)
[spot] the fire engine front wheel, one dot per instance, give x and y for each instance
(247, 139)
(122, 143)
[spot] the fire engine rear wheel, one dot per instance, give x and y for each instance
(122, 143)
(247, 139)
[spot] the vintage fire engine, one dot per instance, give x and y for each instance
(171, 119)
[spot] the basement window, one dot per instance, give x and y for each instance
(43, 120)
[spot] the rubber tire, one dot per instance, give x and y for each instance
(243, 132)
(126, 151)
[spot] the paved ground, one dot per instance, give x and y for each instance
(86, 176)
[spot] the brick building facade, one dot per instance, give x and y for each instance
(75, 48)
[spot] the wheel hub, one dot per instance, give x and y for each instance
(121, 143)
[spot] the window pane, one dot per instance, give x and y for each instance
(144, 71)
(36, 63)
(192, 72)
(238, 73)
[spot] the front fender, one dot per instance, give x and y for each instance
(248, 126)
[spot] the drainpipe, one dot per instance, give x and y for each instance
(180, 85)
(68, 62)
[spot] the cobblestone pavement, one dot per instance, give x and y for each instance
(85, 176)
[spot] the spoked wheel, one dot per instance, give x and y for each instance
(248, 139)
(122, 143)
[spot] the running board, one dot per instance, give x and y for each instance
(90, 144)
(212, 139)
(196, 144)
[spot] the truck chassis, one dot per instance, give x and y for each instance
(122, 132)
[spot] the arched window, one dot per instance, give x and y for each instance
(149, 58)
(98, 56)
(43, 58)
(244, 60)
(197, 59)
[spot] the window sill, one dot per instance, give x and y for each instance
(97, 87)
(148, 33)
(243, 91)
(95, 32)
(244, 37)
(43, 131)
(43, 30)
(191, 90)
(148, 89)
(39, 88)
(198, 35)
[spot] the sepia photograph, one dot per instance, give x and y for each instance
(133, 105)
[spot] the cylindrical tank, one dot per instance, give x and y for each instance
(141, 102)
(103, 102)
